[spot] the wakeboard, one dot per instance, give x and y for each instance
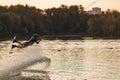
(12, 44)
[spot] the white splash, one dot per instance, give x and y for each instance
(13, 64)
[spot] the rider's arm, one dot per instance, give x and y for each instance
(38, 40)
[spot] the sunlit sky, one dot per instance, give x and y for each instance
(44, 4)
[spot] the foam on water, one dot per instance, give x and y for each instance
(22, 60)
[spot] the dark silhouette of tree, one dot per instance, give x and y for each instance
(64, 20)
(95, 26)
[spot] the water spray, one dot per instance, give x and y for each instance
(30, 56)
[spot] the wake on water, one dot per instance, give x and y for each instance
(24, 59)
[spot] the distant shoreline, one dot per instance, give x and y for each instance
(56, 37)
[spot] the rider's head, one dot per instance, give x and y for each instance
(35, 35)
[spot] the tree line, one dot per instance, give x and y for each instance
(64, 20)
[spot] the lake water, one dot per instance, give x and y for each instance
(77, 60)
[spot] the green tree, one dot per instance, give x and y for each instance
(95, 26)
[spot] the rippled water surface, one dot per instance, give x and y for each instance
(79, 59)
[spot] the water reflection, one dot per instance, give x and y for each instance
(32, 75)
(92, 60)
(79, 60)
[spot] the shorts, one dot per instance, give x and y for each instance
(27, 44)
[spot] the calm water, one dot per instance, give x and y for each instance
(90, 59)
(79, 60)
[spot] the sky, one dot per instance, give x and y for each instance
(44, 4)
